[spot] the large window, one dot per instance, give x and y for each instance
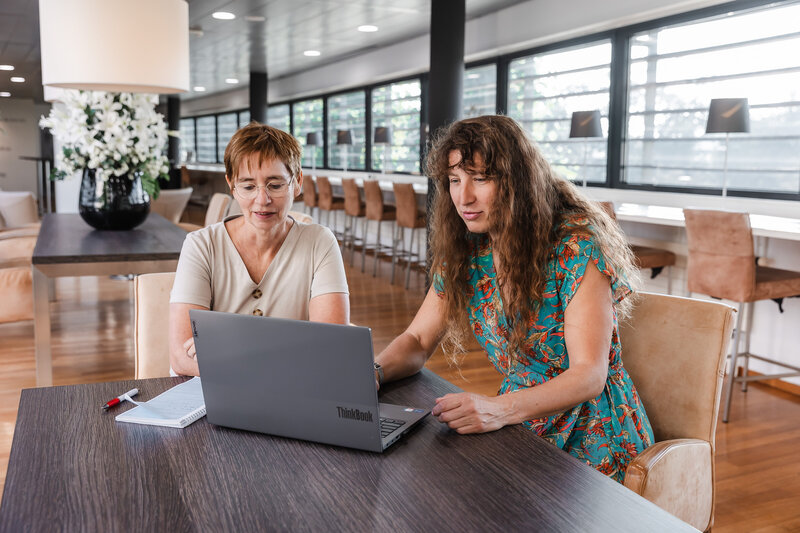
(347, 112)
(227, 124)
(307, 117)
(543, 92)
(398, 106)
(278, 117)
(480, 89)
(206, 139)
(187, 139)
(674, 73)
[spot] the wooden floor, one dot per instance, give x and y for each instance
(758, 473)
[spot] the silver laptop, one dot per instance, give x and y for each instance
(293, 378)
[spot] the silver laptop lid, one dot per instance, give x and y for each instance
(290, 378)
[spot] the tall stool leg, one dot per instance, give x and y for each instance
(750, 308)
(378, 245)
(364, 226)
(411, 255)
(395, 240)
(734, 356)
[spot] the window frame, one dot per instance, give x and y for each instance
(618, 100)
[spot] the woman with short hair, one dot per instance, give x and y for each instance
(262, 262)
(540, 275)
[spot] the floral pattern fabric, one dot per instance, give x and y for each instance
(606, 432)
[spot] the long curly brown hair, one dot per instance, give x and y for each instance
(531, 203)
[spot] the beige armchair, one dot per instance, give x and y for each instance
(150, 334)
(19, 228)
(217, 209)
(674, 349)
(171, 203)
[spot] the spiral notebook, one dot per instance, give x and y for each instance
(176, 408)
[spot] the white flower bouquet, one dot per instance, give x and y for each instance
(114, 134)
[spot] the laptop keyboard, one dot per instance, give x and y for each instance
(389, 424)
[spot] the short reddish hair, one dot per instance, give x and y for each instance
(265, 141)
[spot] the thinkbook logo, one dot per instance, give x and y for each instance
(354, 414)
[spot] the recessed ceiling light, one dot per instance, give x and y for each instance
(311, 53)
(684, 178)
(4, 94)
(231, 80)
(223, 15)
(255, 18)
(367, 28)
(17, 79)
(199, 89)
(6, 67)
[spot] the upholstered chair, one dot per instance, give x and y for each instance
(217, 209)
(327, 202)
(408, 217)
(171, 203)
(722, 264)
(645, 256)
(376, 211)
(674, 349)
(150, 332)
(16, 282)
(354, 210)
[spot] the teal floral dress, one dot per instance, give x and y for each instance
(606, 432)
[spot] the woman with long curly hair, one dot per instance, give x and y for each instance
(539, 275)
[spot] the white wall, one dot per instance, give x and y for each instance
(19, 136)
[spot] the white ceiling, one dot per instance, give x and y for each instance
(231, 49)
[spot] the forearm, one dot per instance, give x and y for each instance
(404, 357)
(574, 386)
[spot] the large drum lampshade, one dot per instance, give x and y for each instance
(115, 45)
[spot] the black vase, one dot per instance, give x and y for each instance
(120, 204)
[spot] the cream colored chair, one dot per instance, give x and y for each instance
(217, 208)
(171, 203)
(18, 209)
(674, 349)
(150, 333)
(16, 282)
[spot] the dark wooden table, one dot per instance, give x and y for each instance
(73, 468)
(68, 246)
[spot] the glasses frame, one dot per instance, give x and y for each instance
(271, 194)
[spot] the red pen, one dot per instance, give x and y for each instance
(119, 399)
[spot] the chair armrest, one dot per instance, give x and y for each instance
(16, 251)
(29, 230)
(678, 476)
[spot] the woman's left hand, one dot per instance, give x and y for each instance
(472, 413)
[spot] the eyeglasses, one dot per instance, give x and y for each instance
(274, 189)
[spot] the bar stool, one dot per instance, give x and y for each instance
(379, 212)
(327, 202)
(354, 209)
(722, 264)
(646, 257)
(310, 195)
(408, 217)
